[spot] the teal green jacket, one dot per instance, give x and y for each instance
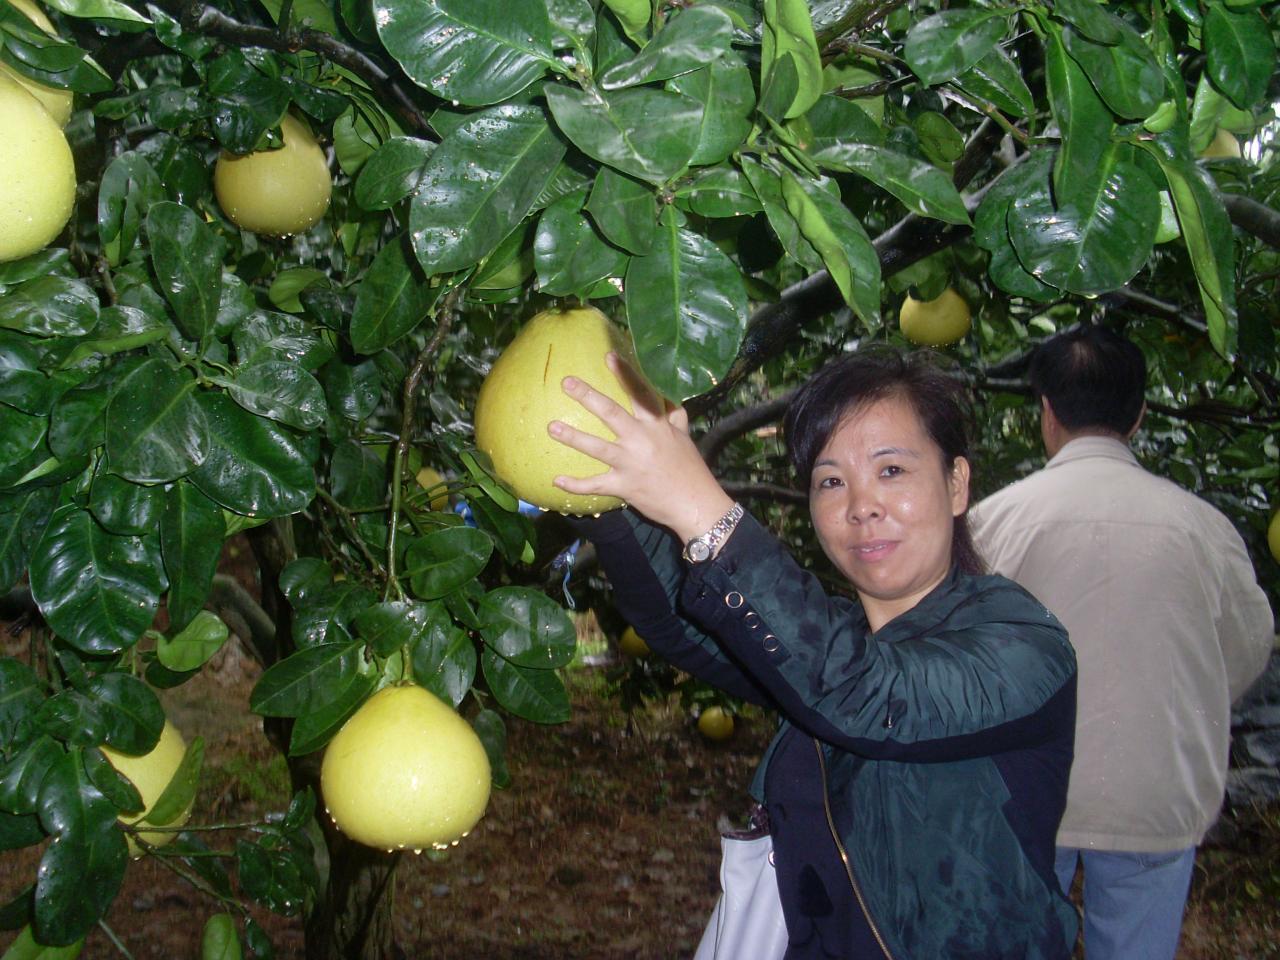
(946, 736)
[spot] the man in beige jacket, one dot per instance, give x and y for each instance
(1170, 626)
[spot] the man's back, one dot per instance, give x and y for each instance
(1159, 596)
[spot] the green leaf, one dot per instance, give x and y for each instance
(20, 436)
(304, 681)
(475, 52)
(99, 592)
(191, 535)
(479, 183)
(358, 476)
(23, 516)
(619, 129)
(624, 209)
(840, 238)
(728, 97)
(687, 308)
(325, 618)
(997, 78)
(187, 256)
(22, 383)
(768, 188)
(493, 734)
(287, 288)
(527, 627)
(689, 40)
(20, 697)
(253, 466)
(219, 940)
(1096, 241)
(923, 188)
(22, 775)
(130, 185)
(633, 15)
(155, 430)
(443, 560)
(569, 255)
(1084, 122)
(17, 832)
(1240, 51)
(392, 172)
(388, 626)
(1091, 18)
(722, 191)
(392, 300)
(120, 328)
(131, 713)
(1125, 74)
(195, 644)
(50, 307)
(123, 507)
(279, 390)
(832, 124)
(80, 873)
(536, 695)
(272, 874)
(943, 46)
(180, 791)
(787, 40)
(444, 655)
(315, 728)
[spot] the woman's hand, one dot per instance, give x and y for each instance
(653, 463)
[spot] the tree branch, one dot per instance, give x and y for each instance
(712, 443)
(1254, 217)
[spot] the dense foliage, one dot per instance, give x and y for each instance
(747, 186)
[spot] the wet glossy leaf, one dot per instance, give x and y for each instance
(387, 627)
(443, 560)
(123, 507)
(475, 52)
(1125, 74)
(945, 45)
(20, 436)
(624, 209)
(1091, 19)
(253, 466)
(303, 681)
(272, 876)
(725, 90)
(619, 129)
(768, 188)
(392, 172)
(219, 940)
(479, 183)
(187, 256)
(120, 328)
(155, 429)
(788, 48)
(17, 832)
(923, 188)
(569, 255)
(98, 591)
(493, 734)
(633, 15)
(22, 520)
(192, 646)
(130, 185)
(50, 307)
(997, 78)
(1084, 123)
(689, 40)
(392, 300)
(315, 728)
(181, 788)
(131, 713)
(1241, 53)
(527, 627)
(22, 776)
(832, 125)
(444, 655)
(279, 390)
(191, 535)
(536, 695)
(20, 696)
(722, 191)
(278, 336)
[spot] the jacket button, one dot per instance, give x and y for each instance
(733, 600)
(771, 643)
(751, 619)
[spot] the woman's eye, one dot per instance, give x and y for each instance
(892, 470)
(828, 483)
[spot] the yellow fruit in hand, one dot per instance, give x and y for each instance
(632, 644)
(523, 393)
(276, 192)
(1223, 146)
(56, 102)
(151, 774)
(1273, 535)
(937, 322)
(37, 174)
(715, 723)
(429, 478)
(406, 771)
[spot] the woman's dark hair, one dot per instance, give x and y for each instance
(1093, 377)
(855, 381)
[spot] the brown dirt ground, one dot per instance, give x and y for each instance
(604, 847)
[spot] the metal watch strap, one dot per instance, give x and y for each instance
(703, 548)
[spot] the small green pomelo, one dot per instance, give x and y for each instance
(37, 174)
(276, 192)
(405, 772)
(523, 393)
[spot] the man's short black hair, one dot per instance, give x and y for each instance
(1093, 377)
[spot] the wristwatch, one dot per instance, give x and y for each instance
(703, 548)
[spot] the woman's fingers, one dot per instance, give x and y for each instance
(580, 440)
(643, 397)
(609, 412)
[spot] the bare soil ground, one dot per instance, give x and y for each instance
(604, 847)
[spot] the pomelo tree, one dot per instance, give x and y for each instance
(745, 186)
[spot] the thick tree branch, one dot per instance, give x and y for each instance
(712, 443)
(1254, 217)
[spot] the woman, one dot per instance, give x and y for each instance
(920, 770)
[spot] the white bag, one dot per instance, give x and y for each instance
(747, 922)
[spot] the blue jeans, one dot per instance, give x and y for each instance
(1133, 902)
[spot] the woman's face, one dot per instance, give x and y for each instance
(883, 503)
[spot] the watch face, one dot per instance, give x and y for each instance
(698, 551)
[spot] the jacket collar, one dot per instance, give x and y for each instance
(1085, 448)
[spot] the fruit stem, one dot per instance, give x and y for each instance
(408, 400)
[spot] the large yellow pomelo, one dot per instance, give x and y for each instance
(429, 478)
(276, 192)
(151, 773)
(56, 102)
(715, 723)
(1273, 535)
(523, 393)
(37, 174)
(1223, 146)
(406, 771)
(937, 322)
